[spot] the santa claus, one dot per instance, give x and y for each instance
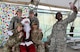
(27, 44)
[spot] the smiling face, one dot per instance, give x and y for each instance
(19, 28)
(58, 16)
(31, 14)
(19, 14)
(34, 26)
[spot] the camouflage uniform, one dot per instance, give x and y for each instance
(58, 35)
(13, 22)
(36, 38)
(14, 40)
(34, 19)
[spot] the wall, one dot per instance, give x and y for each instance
(7, 11)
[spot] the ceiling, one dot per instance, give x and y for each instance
(51, 3)
(59, 3)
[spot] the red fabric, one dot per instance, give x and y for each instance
(30, 48)
(24, 36)
(22, 48)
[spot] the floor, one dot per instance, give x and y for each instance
(68, 50)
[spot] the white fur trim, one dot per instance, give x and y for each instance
(28, 43)
(23, 43)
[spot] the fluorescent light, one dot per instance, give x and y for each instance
(59, 9)
(43, 7)
(52, 8)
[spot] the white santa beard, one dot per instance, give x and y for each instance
(26, 23)
(27, 30)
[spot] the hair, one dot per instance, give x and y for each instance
(19, 10)
(34, 23)
(19, 24)
(36, 14)
(31, 12)
(57, 14)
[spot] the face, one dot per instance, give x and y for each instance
(34, 26)
(31, 15)
(19, 14)
(59, 16)
(19, 28)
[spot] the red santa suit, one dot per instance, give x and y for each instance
(27, 44)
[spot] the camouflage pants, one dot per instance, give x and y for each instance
(6, 49)
(9, 49)
(58, 45)
(40, 48)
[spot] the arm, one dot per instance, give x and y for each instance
(37, 21)
(41, 36)
(51, 35)
(72, 16)
(35, 39)
(15, 46)
(19, 38)
(11, 24)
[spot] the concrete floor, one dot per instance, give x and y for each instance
(72, 50)
(68, 50)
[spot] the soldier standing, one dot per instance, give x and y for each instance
(33, 18)
(16, 19)
(58, 35)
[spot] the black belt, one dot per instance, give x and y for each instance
(27, 40)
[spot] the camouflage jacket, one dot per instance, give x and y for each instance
(13, 22)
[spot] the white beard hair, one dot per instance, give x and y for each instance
(26, 27)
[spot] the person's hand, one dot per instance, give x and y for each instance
(40, 30)
(10, 33)
(71, 5)
(75, 9)
(46, 43)
(13, 49)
